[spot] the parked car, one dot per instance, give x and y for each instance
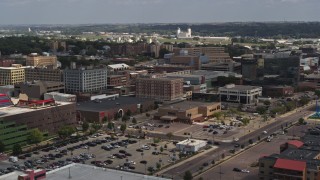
(237, 169)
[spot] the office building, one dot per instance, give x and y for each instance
(187, 112)
(12, 75)
(36, 89)
(162, 89)
(241, 94)
(41, 61)
(214, 54)
(43, 74)
(85, 80)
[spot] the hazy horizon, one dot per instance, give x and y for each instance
(82, 12)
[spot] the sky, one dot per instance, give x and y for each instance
(155, 11)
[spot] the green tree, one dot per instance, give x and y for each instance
(301, 121)
(150, 169)
(134, 121)
(91, 51)
(217, 115)
(60, 49)
(261, 109)
(129, 113)
(187, 176)
(123, 127)
(158, 165)
(35, 136)
(290, 105)
(66, 131)
(246, 121)
(16, 149)
(96, 126)
(2, 147)
(267, 103)
(125, 118)
(161, 149)
(85, 126)
(169, 135)
(110, 125)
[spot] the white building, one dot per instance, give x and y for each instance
(181, 34)
(61, 97)
(240, 94)
(191, 145)
(85, 80)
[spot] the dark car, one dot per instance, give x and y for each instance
(167, 126)
(232, 151)
(237, 145)
(237, 169)
(108, 161)
(143, 162)
(205, 164)
(28, 155)
(215, 132)
(160, 125)
(128, 154)
(139, 150)
(122, 151)
(216, 143)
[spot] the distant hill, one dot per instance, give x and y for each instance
(251, 29)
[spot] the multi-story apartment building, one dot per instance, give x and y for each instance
(162, 89)
(84, 80)
(12, 75)
(36, 60)
(43, 74)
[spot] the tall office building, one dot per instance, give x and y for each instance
(84, 80)
(12, 75)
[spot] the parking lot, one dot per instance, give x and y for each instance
(130, 154)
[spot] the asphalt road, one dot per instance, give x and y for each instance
(245, 159)
(195, 164)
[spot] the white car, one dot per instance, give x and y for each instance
(236, 139)
(132, 162)
(111, 157)
(245, 171)
(264, 132)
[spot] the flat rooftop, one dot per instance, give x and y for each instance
(188, 105)
(239, 87)
(108, 103)
(86, 172)
(13, 110)
(191, 142)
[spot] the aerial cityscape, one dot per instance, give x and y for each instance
(159, 90)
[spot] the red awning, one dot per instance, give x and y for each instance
(290, 164)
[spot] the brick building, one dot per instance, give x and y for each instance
(97, 110)
(187, 112)
(278, 91)
(162, 89)
(46, 115)
(41, 61)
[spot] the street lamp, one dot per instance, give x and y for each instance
(142, 155)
